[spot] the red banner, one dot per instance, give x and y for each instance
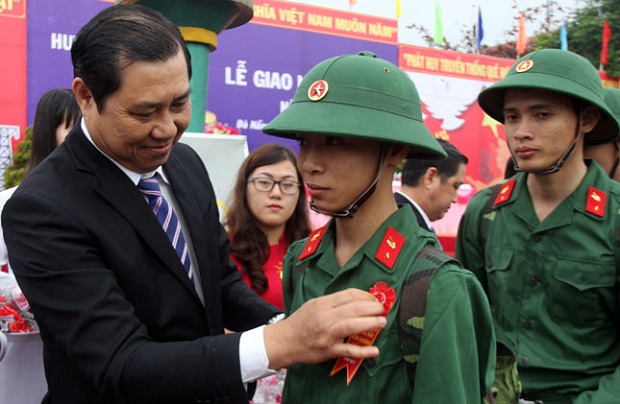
(291, 15)
(455, 64)
(608, 81)
(13, 78)
(13, 8)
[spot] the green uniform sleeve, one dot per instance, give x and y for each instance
(457, 356)
(608, 391)
(469, 239)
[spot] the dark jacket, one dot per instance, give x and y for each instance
(119, 318)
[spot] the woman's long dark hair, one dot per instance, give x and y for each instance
(249, 245)
(56, 107)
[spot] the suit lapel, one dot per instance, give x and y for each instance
(401, 200)
(123, 196)
(420, 219)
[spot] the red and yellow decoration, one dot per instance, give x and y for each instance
(524, 66)
(390, 247)
(314, 240)
(595, 202)
(384, 294)
(323, 20)
(505, 192)
(318, 90)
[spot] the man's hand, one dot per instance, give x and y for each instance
(316, 331)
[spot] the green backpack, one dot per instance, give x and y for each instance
(413, 306)
(414, 297)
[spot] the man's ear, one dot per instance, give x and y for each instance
(84, 97)
(430, 176)
(589, 118)
(396, 154)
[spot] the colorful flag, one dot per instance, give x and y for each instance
(522, 35)
(352, 3)
(563, 37)
(479, 29)
(399, 11)
(438, 24)
(606, 37)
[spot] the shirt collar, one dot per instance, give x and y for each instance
(420, 210)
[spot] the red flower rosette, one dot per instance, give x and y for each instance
(18, 326)
(386, 296)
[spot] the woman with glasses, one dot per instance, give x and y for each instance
(269, 210)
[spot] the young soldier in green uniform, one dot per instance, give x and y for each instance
(544, 243)
(356, 117)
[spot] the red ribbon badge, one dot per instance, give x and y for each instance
(384, 294)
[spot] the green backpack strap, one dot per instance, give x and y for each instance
(617, 255)
(413, 300)
(299, 269)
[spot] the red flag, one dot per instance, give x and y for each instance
(522, 35)
(606, 37)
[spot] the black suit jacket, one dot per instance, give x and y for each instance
(402, 200)
(119, 318)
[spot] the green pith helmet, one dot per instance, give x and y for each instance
(359, 96)
(559, 71)
(612, 99)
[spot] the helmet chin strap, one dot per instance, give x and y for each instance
(351, 210)
(558, 164)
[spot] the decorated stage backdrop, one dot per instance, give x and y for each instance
(256, 68)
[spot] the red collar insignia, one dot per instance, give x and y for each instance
(390, 247)
(595, 202)
(314, 240)
(505, 192)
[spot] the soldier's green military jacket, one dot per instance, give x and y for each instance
(457, 354)
(552, 286)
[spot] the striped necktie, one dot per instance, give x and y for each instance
(168, 220)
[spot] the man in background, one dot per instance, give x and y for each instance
(430, 186)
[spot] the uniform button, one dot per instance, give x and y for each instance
(527, 324)
(371, 362)
(537, 238)
(525, 360)
(533, 281)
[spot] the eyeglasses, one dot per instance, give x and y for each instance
(266, 185)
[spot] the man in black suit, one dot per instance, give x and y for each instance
(121, 318)
(430, 186)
